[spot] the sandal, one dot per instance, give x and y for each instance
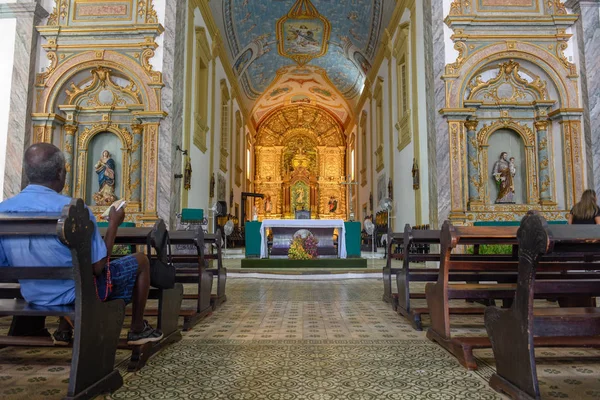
(62, 338)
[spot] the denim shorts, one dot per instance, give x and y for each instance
(123, 273)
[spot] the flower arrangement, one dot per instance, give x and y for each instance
(303, 246)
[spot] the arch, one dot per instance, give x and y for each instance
(147, 81)
(284, 121)
(88, 134)
(567, 89)
(524, 132)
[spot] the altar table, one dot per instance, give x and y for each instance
(303, 224)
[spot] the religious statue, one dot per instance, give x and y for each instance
(105, 168)
(268, 204)
(415, 174)
(333, 204)
(187, 176)
(211, 192)
(504, 173)
(299, 198)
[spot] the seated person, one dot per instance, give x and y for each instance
(127, 278)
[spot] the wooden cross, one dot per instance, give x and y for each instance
(350, 183)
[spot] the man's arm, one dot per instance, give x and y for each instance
(115, 218)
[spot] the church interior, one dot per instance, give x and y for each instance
(359, 194)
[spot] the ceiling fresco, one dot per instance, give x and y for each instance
(282, 50)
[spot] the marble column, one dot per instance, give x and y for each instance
(545, 181)
(28, 13)
(171, 128)
(474, 178)
(437, 128)
(68, 151)
(135, 182)
(588, 44)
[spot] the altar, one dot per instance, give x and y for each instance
(283, 230)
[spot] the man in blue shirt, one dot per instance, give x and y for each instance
(127, 278)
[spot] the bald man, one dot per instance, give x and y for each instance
(127, 278)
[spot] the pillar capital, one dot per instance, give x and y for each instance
(471, 124)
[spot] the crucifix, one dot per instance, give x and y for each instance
(349, 183)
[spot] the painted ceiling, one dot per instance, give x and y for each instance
(302, 51)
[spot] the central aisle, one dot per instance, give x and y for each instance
(287, 340)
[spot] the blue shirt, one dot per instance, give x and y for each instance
(43, 251)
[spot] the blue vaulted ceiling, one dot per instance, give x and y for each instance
(250, 29)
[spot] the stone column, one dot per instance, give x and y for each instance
(570, 122)
(474, 179)
(28, 13)
(545, 180)
(135, 179)
(588, 44)
(168, 190)
(68, 150)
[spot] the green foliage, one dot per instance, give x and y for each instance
(492, 249)
(121, 250)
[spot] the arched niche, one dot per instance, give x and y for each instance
(119, 152)
(99, 94)
(506, 140)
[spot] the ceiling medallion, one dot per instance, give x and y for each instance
(303, 34)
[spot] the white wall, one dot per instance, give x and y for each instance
(7, 53)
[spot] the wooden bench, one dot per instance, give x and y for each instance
(97, 324)
(215, 242)
(169, 301)
(439, 294)
(515, 332)
(405, 274)
(193, 269)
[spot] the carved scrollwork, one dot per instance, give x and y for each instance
(519, 89)
(560, 53)
(462, 49)
(533, 236)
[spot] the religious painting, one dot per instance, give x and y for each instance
(381, 187)
(303, 34)
(322, 92)
(300, 98)
(242, 61)
(300, 194)
(362, 62)
(279, 91)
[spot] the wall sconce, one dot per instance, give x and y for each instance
(183, 152)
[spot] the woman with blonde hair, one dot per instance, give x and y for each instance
(586, 211)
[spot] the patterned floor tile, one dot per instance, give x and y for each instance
(288, 340)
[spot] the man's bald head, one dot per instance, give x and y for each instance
(45, 165)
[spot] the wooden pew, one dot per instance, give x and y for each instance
(215, 241)
(404, 275)
(169, 301)
(193, 269)
(97, 324)
(439, 293)
(515, 332)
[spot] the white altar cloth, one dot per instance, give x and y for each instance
(306, 224)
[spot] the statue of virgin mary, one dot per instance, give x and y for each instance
(105, 168)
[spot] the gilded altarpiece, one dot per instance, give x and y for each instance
(300, 164)
(515, 80)
(100, 81)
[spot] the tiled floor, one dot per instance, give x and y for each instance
(321, 340)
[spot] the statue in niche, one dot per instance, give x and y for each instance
(504, 172)
(268, 204)
(299, 199)
(333, 204)
(105, 168)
